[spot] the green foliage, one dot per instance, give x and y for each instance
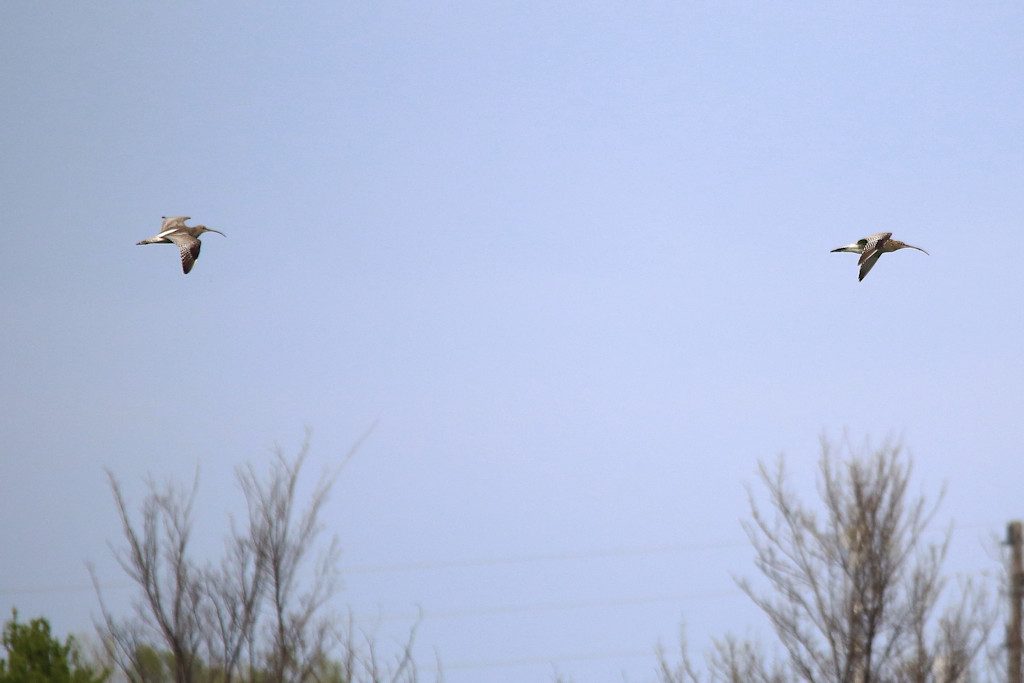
(34, 656)
(153, 666)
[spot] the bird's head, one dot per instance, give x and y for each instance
(904, 245)
(200, 229)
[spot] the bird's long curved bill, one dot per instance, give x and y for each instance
(918, 248)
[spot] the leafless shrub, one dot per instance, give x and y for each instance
(854, 588)
(170, 589)
(854, 592)
(259, 614)
(283, 538)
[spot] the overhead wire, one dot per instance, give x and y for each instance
(508, 609)
(541, 557)
(426, 614)
(532, 661)
(431, 565)
(428, 565)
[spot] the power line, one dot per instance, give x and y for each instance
(542, 557)
(428, 565)
(593, 554)
(64, 588)
(431, 565)
(554, 606)
(528, 661)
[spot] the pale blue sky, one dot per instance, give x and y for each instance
(575, 258)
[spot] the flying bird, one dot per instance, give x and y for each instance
(872, 247)
(175, 231)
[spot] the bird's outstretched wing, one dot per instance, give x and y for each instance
(189, 247)
(171, 222)
(867, 262)
(872, 250)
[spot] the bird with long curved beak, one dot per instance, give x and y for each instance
(872, 247)
(174, 231)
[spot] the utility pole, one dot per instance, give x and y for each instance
(1013, 629)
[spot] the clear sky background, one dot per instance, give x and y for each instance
(573, 256)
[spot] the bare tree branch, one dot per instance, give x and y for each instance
(853, 594)
(262, 612)
(854, 589)
(157, 560)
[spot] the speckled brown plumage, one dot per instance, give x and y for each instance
(872, 247)
(174, 231)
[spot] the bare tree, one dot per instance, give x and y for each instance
(854, 591)
(284, 539)
(170, 586)
(260, 613)
(731, 659)
(681, 672)
(361, 660)
(232, 593)
(854, 588)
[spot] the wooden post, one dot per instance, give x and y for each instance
(1013, 629)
